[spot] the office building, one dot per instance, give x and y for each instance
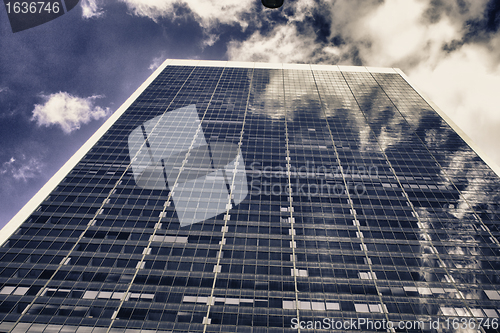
(252, 197)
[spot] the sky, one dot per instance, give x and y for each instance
(61, 80)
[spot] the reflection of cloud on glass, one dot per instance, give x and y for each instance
(477, 194)
(270, 100)
(435, 138)
(451, 220)
(341, 109)
(463, 189)
(387, 124)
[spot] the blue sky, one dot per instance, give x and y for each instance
(61, 80)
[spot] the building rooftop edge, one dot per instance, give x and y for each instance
(266, 65)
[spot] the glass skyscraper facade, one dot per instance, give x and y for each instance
(251, 197)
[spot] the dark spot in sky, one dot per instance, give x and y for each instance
(322, 27)
(267, 21)
(473, 31)
(438, 8)
(321, 57)
(355, 56)
(493, 16)
(338, 40)
(433, 13)
(181, 9)
(288, 8)
(483, 29)
(319, 24)
(453, 45)
(463, 7)
(225, 32)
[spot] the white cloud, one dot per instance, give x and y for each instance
(285, 42)
(91, 9)
(157, 61)
(283, 45)
(23, 169)
(465, 87)
(397, 33)
(67, 111)
(382, 34)
(209, 13)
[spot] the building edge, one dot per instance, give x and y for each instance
(493, 166)
(40, 196)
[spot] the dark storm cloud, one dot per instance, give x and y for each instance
(492, 17)
(353, 56)
(320, 25)
(337, 40)
(437, 8)
(484, 28)
(479, 28)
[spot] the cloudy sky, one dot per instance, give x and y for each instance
(61, 80)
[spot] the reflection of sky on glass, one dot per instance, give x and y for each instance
(465, 178)
(439, 178)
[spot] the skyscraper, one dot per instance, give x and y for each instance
(252, 197)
